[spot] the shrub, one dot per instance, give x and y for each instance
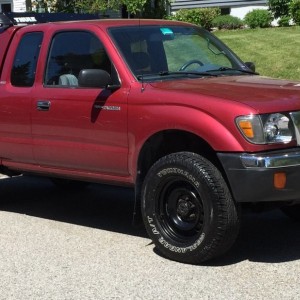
(227, 22)
(258, 18)
(198, 16)
(284, 21)
(279, 8)
(295, 11)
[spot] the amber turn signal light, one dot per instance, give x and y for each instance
(279, 180)
(246, 127)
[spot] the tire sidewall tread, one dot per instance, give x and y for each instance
(221, 221)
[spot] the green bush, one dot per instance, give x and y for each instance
(284, 21)
(279, 8)
(295, 11)
(258, 18)
(198, 16)
(227, 22)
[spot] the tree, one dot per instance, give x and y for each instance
(155, 9)
(146, 8)
(295, 11)
(279, 8)
(134, 6)
(96, 6)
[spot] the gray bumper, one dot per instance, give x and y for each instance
(251, 176)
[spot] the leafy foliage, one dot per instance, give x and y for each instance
(134, 6)
(199, 16)
(295, 11)
(258, 18)
(227, 22)
(155, 9)
(279, 8)
(91, 6)
(284, 21)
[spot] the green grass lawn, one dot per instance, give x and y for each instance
(275, 51)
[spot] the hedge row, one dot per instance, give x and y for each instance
(211, 17)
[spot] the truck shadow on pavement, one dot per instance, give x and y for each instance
(269, 237)
(266, 237)
(97, 206)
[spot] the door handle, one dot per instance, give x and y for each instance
(43, 105)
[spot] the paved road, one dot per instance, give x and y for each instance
(57, 244)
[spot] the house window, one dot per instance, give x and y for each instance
(6, 7)
(225, 11)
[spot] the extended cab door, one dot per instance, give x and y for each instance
(73, 127)
(16, 88)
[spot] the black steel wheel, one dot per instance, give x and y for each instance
(187, 208)
(180, 209)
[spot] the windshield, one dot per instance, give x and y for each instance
(155, 51)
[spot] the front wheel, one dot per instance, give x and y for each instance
(187, 208)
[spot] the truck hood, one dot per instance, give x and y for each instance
(261, 93)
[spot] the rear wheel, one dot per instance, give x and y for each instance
(187, 208)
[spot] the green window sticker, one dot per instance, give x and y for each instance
(166, 31)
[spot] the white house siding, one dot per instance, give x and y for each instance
(241, 12)
(179, 4)
(238, 8)
(19, 6)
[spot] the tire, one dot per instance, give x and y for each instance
(188, 210)
(292, 211)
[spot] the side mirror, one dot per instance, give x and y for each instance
(94, 78)
(250, 65)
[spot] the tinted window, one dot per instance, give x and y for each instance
(24, 67)
(71, 52)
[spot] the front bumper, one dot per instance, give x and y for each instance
(251, 176)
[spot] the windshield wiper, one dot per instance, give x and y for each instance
(177, 74)
(222, 69)
(167, 73)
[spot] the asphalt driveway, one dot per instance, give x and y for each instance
(80, 244)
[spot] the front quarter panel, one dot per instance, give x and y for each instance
(151, 111)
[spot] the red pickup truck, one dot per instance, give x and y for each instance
(162, 106)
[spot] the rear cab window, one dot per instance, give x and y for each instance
(25, 60)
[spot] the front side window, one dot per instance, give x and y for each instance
(71, 52)
(25, 62)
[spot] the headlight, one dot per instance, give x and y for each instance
(266, 129)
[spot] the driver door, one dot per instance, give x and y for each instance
(75, 128)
